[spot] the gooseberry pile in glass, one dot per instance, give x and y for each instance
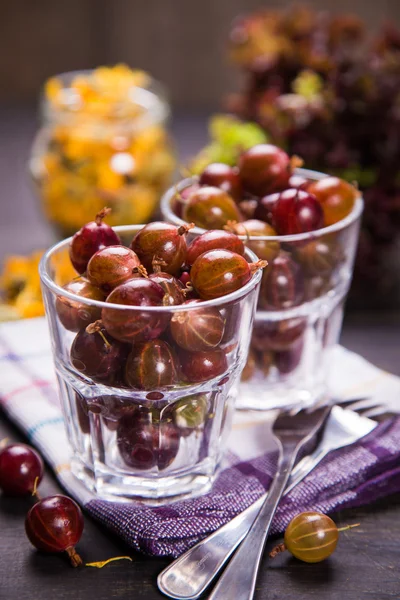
(121, 344)
(263, 196)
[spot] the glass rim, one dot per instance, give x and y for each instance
(352, 217)
(50, 284)
(151, 98)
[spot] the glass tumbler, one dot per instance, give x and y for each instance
(153, 425)
(300, 306)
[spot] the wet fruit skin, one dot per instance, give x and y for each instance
(112, 266)
(311, 537)
(197, 330)
(212, 240)
(211, 208)
(76, 315)
(54, 524)
(224, 177)
(202, 366)
(87, 241)
(144, 443)
(266, 250)
(219, 272)
(283, 284)
(173, 288)
(97, 355)
(161, 241)
(264, 169)
(151, 365)
(135, 325)
(297, 211)
(20, 465)
(336, 196)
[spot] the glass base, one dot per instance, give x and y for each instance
(151, 491)
(270, 397)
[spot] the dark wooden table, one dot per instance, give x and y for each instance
(366, 563)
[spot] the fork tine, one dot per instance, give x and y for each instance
(350, 401)
(378, 413)
(360, 405)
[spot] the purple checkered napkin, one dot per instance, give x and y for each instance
(352, 476)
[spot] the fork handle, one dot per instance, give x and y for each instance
(239, 578)
(189, 575)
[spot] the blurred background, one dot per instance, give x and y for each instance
(182, 44)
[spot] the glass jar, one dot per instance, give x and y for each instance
(103, 142)
(152, 433)
(300, 306)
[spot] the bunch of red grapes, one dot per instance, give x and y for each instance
(151, 351)
(321, 91)
(262, 197)
(54, 523)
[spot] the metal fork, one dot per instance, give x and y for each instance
(291, 433)
(188, 576)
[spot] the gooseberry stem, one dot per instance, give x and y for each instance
(3, 443)
(100, 215)
(158, 264)
(103, 563)
(96, 328)
(187, 289)
(260, 264)
(34, 491)
(349, 527)
(74, 557)
(184, 229)
(296, 162)
(277, 550)
(141, 270)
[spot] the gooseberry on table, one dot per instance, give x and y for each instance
(55, 524)
(311, 537)
(20, 467)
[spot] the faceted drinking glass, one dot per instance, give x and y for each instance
(300, 306)
(164, 441)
